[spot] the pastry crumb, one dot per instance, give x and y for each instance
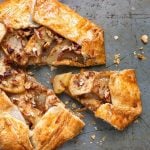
(141, 56)
(117, 59)
(144, 38)
(93, 123)
(141, 48)
(93, 137)
(95, 128)
(66, 102)
(103, 138)
(53, 68)
(134, 53)
(74, 106)
(136, 121)
(116, 37)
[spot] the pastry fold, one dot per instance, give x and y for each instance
(16, 14)
(113, 96)
(14, 133)
(56, 127)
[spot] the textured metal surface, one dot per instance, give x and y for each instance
(128, 19)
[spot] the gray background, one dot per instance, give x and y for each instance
(128, 19)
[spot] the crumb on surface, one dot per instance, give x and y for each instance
(53, 68)
(66, 102)
(136, 121)
(74, 106)
(93, 123)
(141, 48)
(95, 128)
(117, 59)
(141, 56)
(116, 37)
(93, 137)
(144, 38)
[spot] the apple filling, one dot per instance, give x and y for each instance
(40, 46)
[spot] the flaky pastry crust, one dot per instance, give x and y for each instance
(56, 126)
(113, 96)
(16, 14)
(66, 22)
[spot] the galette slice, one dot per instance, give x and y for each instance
(113, 96)
(88, 37)
(45, 115)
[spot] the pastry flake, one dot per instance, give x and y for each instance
(70, 25)
(113, 96)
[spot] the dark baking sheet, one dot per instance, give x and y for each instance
(128, 19)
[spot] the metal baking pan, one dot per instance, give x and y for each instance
(128, 20)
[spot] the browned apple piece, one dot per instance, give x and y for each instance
(38, 47)
(81, 83)
(13, 45)
(61, 82)
(14, 83)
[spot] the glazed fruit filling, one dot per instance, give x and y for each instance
(41, 46)
(34, 101)
(91, 89)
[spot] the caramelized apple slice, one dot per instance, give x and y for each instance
(11, 80)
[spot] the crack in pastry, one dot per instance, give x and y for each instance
(113, 96)
(42, 113)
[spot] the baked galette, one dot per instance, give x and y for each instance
(49, 32)
(113, 96)
(31, 116)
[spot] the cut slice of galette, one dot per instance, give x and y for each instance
(74, 41)
(113, 96)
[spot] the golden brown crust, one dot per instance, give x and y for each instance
(113, 96)
(66, 22)
(5, 103)
(3, 31)
(55, 127)
(14, 134)
(16, 14)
